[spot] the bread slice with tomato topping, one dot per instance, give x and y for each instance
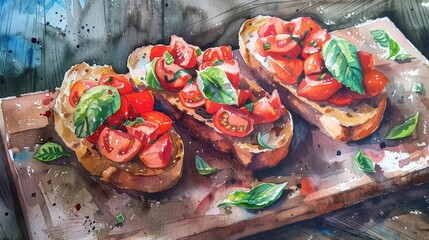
(303, 62)
(114, 131)
(214, 102)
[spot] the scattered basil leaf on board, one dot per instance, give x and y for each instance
(364, 162)
(203, 167)
(215, 85)
(250, 107)
(50, 151)
(261, 196)
(342, 61)
(267, 140)
(151, 80)
(385, 41)
(404, 129)
(417, 88)
(96, 105)
(120, 218)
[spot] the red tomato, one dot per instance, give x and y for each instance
(230, 67)
(217, 53)
(213, 107)
(191, 97)
(265, 110)
(314, 89)
(78, 89)
(233, 122)
(163, 120)
(374, 82)
(184, 54)
(278, 46)
(118, 118)
(274, 26)
(140, 102)
(305, 26)
(158, 154)
(314, 42)
(308, 185)
(93, 138)
(145, 132)
(172, 77)
(117, 81)
(243, 96)
(366, 60)
(287, 70)
(341, 98)
(314, 64)
(117, 146)
(158, 51)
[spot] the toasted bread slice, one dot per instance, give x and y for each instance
(246, 150)
(341, 123)
(130, 175)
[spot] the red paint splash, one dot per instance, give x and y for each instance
(47, 114)
(47, 100)
(78, 206)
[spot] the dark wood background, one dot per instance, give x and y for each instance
(40, 40)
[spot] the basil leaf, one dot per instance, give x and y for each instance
(402, 57)
(385, 41)
(267, 140)
(404, 129)
(50, 151)
(417, 88)
(250, 107)
(120, 218)
(151, 79)
(215, 85)
(261, 196)
(364, 162)
(96, 105)
(342, 61)
(393, 48)
(381, 37)
(203, 168)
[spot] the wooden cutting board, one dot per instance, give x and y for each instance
(61, 201)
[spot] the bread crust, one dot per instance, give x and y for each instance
(131, 175)
(340, 123)
(245, 150)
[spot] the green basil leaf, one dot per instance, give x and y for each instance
(250, 107)
(151, 79)
(402, 57)
(385, 41)
(120, 219)
(364, 162)
(404, 129)
(417, 88)
(203, 167)
(50, 151)
(381, 37)
(393, 48)
(261, 196)
(215, 85)
(133, 123)
(96, 105)
(267, 140)
(342, 61)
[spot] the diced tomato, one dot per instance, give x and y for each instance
(184, 54)
(93, 138)
(278, 46)
(117, 145)
(233, 122)
(158, 154)
(145, 132)
(308, 185)
(163, 120)
(366, 60)
(314, 64)
(374, 82)
(305, 26)
(212, 107)
(230, 67)
(172, 77)
(158, 50)
(191, 97)
(287, 70)
(217, 53)
(265, 110)
(117, 81)
(342, 98)
(314, 42)
(244, 96)
(274, 26)
(78, 89)
(319, 87)
(117, 119)
(140, 102)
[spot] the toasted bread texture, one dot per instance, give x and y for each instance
(246, 150)
(130, 175)
(348, 123)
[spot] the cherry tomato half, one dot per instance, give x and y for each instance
(314, 64)
(275, 26)
(117, 145)
(305, 26)
(217, 53)
(230, 67)
(366, 60)
(374, 82)
(163, 120)
(117, 81)
(212, 107)
(265, 110)
(191, 97)
(244, 96)
(158, 154)
(184, 54)
(278, 46)
(314, 42)
(319, 87)
(287, 70)
(172, 77)
(78, 89)
(233, 122)
(145, 132)
(140, 102)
